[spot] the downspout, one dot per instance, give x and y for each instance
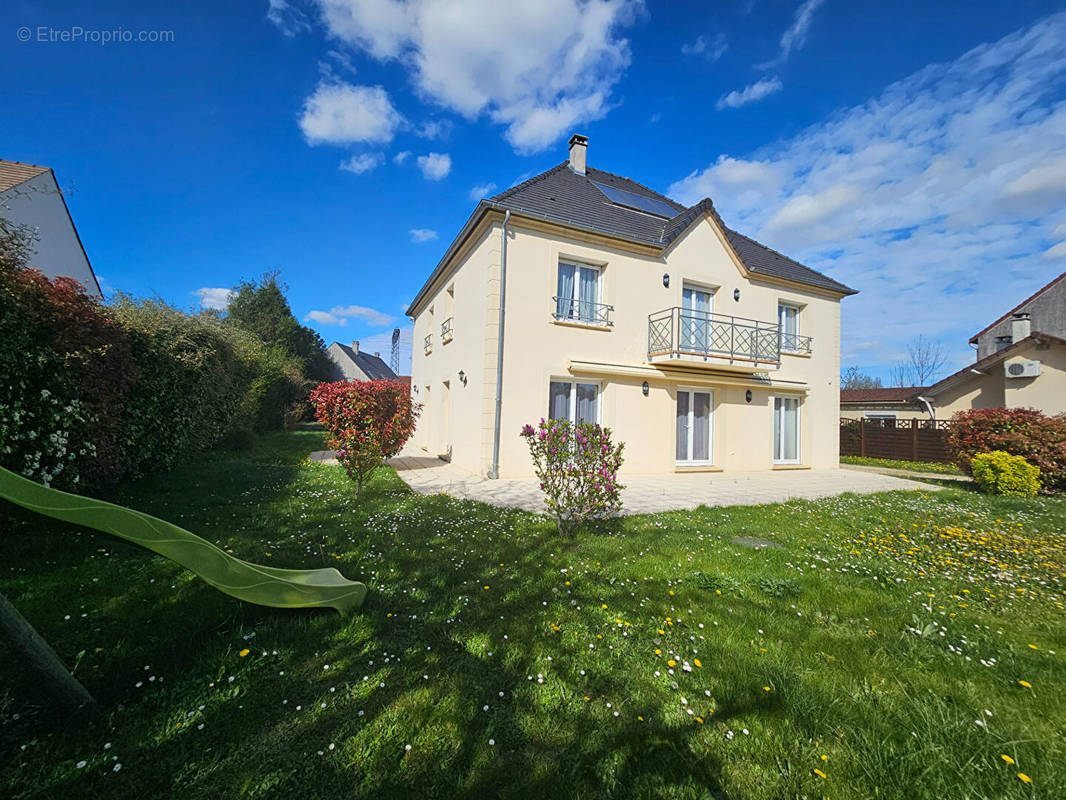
(928, 407)
(495, 471)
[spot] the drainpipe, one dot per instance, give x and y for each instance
(495, 471)
(928, 407)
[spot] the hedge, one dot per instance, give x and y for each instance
(91, 393)
(1025, 432)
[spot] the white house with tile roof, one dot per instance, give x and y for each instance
(31, 197)
(584, 295)
(353, 364)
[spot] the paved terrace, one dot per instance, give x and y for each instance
(647, 494)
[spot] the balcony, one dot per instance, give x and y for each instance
(427, 343)
(582, 312)
(687, 335)
(446, 331)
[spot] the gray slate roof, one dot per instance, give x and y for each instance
(372, 366)
(568, 197)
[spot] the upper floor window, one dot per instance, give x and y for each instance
(788, 323)
(577, 295)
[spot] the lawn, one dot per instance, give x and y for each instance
(903, 645)
(896, 463)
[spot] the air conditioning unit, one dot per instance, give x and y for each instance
(1022, 369)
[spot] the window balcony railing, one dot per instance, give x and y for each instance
(571, 310)
(794, 343)
(427, 343)
(684, 333)
(446, 331)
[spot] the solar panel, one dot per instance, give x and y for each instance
(637, 201)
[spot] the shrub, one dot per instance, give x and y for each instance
(368, 421)
(578, 470)
(1001, 473)
(1025, 432)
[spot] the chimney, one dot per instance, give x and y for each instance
(377, 354)
(579, 146)
(1020, 327)
(355, 347)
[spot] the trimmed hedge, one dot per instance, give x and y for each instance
(1001, 473)
(91, 393)
(1025, 432)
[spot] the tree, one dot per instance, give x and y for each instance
(899, 374)
(368, 421)
(260, 308)
(853, 378)
(925, 358)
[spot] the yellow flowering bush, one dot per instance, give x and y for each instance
(999, 472)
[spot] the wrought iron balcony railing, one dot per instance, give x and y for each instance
(683, 333)
(572, 310)
(794, 343)
(428, 342)
(446, 330)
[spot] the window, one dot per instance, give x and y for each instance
(695, 319)
(788, 323)
(577, 402)
(578, 294)
(786, 430)
(694, 427)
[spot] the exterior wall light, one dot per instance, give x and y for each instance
(462, 377)
(747, 395)
(666, 280)
(736, 294)
(644, 388)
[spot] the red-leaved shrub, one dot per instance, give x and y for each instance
(368, 421)
(1025, 432)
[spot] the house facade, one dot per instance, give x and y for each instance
(31, 197)
(353, 364)
(583, 295)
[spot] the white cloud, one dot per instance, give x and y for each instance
(938, 199)
(363, 162)
(368, 315)
(538, 67)
(435, 129)
(482, 190)
(340, 113)
(750, 94)
(288, 19)
(712, 50)
(324, 318)
(400, 157)
(796, 35)
(422, 234)
(435, 166)
(214, 297)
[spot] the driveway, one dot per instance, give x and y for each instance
(648, 494)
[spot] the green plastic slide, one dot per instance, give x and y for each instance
(266, 586)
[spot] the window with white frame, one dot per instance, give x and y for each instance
(577, 402)
(788, 323)
(577, 295)
(694, 424)
(786, 430)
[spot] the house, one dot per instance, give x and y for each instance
(31, 197)
(354, 365)
(584, 295)
(893, 402)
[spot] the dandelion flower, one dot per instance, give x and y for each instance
(671, 663)
(1026, 684)
(766, 688)
(244, 652)
(820, 774)
(1007, 758)
(1024, 778)
(696, 661)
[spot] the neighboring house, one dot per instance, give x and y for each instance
(584, 295)
(883, 403)
(354, 365)
(1045, 310)
(30, 196)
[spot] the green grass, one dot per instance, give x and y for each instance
(887, 634)
(896, 463)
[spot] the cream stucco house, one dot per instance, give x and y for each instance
(585, 295)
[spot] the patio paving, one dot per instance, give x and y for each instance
(648, 494)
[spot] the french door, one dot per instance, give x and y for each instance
(786, 430)
(694, 426)
(695, 320)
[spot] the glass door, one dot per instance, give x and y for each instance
(693, 427)
(786, 430)
(695, 320)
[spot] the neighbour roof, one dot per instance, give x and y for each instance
(990, 360)
(889, 394)
(1018, 307)
(372, 366)
(572, 199)
(12, 173)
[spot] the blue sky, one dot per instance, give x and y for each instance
(914, 150)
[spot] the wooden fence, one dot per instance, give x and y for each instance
(907, 439)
